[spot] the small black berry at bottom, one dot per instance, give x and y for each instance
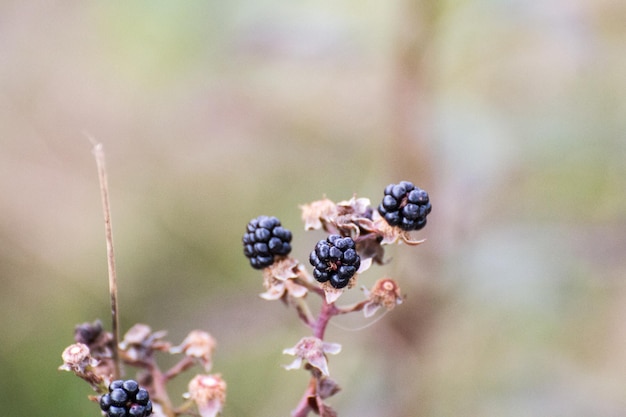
(126, 399)
(335, 260)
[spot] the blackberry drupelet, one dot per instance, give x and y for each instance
(335, 260)
(405, 206)
(126, 399)
(265, 239)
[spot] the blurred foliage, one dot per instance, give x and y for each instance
(510, 113)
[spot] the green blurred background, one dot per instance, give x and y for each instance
(511, 113)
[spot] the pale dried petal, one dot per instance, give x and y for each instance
(319, 361)
(295, 364)
(331, 293)
(332, 348)
(313, 350)
(316, 213)
(359, 206)
(275, 292)
(295, 290)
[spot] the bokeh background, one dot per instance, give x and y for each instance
(511, 113)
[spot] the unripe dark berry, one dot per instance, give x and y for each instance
(265, 239)
(126, 399)
(406, 206)
(335, 260)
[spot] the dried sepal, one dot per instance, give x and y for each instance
(392, 234)
(332, 294)
(208, 392)
(279, 279)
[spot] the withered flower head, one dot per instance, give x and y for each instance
(354, 216)
(279, 280)
(77, 358)
(209, 394)
(384, 293)
(139, 342)
(198, 344)
(314, 351)
(347, 218)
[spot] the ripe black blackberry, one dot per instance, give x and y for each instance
(405, 205)
(126, 399)
(335, 260)
(265, 238)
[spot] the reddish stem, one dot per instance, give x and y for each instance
(303, 408)
(182, 365)
(160, 392)
(327, 312)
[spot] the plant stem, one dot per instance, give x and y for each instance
(108, 230)
(160, 392)
(303, 408)
(328, 310)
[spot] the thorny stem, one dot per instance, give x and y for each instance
(104, 192)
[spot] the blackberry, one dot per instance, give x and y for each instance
(335, 260)
(126, 399)
(265, 238)
(405, 206)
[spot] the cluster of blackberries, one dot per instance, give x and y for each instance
(335, 260)
(405, 205)
(126, 399)
(265, 238)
